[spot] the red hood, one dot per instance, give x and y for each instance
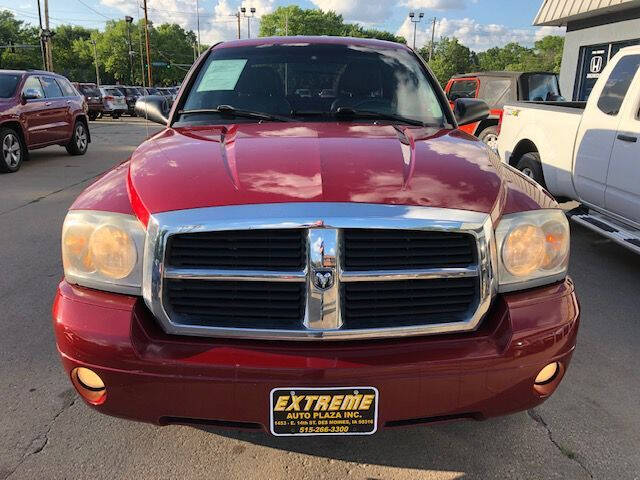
(320, 162)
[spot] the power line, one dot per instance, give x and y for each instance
(96, 11)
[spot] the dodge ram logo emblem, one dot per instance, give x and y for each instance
(323, 279)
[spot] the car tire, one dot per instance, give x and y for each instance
(93, 116)
(13, 150)
(115, 116)
(489, 136)
(80, 140)
(531, 166)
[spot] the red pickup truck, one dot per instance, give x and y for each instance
(312, 247)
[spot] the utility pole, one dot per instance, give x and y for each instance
(49, 55)
(43, 47)
(433, 37)
(237, 15)
(415, 22)
(195, 55)
(129, 21)
(146, 37)
(198, 22)
(95, 57)
(286, 24)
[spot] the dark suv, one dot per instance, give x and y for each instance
(38, 109)
(93, 97)
(498, 88)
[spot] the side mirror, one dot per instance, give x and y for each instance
(470, 110)
(31, 94)
(154, 108)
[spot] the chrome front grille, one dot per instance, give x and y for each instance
(303, 272)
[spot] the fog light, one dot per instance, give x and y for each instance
(89, 384)
(547, 374)
(89, 379)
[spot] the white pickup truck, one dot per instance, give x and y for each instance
(586, 152)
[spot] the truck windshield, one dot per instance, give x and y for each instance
(542, 87)
(8, 84)
(315, 81)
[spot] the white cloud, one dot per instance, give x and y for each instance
(364, 11)
(476, 36)
(221, 25)
(435, 4)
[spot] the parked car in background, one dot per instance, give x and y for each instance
(308, 265)
(150, 91)
(498, 88)
(38, 109)
(114, 101)
(589, 152)
(131, 95)
(93, 97)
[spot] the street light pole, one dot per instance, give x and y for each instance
(252, 10)
(415, 22)
(129, 21)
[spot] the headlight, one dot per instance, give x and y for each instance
(533, 249)
(103, 250)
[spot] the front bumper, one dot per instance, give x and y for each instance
(154, 377)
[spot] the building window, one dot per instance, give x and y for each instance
(591, 63)
(618, 84)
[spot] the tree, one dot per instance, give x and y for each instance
(13, 31)
(510, 57)
(450, 57)
(293, 20)
(65, 58)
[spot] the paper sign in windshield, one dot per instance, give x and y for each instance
(221, 75)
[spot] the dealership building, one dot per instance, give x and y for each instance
(596, 30)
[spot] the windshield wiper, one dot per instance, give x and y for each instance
(354, 113)
(233, 112)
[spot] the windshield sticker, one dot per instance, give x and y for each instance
(221, 75)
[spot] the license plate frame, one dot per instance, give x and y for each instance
(337, 421)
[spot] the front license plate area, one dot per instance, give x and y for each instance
(324, 411)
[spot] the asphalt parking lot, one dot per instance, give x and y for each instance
(589, 429)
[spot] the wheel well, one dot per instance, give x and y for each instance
(525, 146)
(484, 124)
(15, 126)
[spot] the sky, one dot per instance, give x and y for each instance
(479, 24)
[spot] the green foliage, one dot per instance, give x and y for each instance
(293, 20)
(73, 51)
(450, 57)
(16, 32)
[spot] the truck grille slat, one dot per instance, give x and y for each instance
(405, 249)
(260, 249)
(241, 304)
(403, 303)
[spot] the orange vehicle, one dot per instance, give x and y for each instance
(498, 88)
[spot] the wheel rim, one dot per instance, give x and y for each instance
(81, 137)
(528, 172)
(492, 141)
(11, 150)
